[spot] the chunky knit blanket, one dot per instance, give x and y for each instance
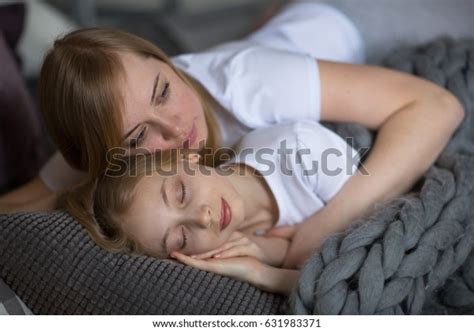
(414, 254)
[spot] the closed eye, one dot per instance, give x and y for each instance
(185, 239)
(135, 142)
(183, 192)
(163, 95)
(165, 90)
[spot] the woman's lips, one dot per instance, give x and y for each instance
(191, 138)
(226, 214)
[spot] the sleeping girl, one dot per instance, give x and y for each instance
(168, 204)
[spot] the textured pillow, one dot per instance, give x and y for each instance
(55, 268)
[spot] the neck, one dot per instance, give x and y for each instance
(259, 203)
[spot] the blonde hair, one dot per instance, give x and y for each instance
(79, 95)
(98, 204)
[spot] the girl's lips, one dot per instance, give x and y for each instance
(226, 214)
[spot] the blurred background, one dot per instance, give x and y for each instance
(177, 26)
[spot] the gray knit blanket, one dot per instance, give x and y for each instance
(414, 254)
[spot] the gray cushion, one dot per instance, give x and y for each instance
(55, 268)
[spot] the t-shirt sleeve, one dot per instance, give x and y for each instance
(327, 160)
(259, 86)
(58, 175)
(317, 29)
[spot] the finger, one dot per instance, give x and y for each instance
(242, 244)
(286, 232)
(205, 255)
(211, 253)
(236, 251)
(200, 264)
(226, 246)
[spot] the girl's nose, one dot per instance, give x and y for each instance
(204, 218)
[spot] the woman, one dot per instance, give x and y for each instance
(101, 89)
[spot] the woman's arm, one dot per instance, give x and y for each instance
(415, 120)
(33, 190)
(58, 176)
(46, 203)
(32, 196)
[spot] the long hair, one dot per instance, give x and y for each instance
(80, 99)
(99, 203)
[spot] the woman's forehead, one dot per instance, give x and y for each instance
(138, 68)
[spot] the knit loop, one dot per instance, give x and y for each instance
(413, 254)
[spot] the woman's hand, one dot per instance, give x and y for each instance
(5, 208)
(299, 236)
(268, 250)
(246, 269)
(307, 239)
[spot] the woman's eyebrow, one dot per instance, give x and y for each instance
(131, 131)
(155, 84)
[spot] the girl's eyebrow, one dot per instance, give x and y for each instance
(155, 84)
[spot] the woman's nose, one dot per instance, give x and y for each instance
(170, 130)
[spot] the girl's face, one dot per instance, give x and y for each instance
(183, 212)
(161, 111)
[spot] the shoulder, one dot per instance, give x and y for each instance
(270, 137)
(258, 85)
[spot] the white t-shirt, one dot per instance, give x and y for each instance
(303, 163)
(270, 77)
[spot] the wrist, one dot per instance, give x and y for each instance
(277, 280)
(275, 250)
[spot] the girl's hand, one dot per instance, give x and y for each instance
(239, 244)
(246, 269)
(271, 251)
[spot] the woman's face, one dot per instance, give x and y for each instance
(161, 111)
(183, 212)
